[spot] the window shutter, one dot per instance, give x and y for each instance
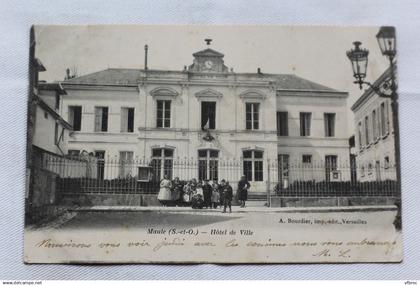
(98, 119)
(71, 115)
(308, 124)
(124, 119)
(302, 124)
(326, 125)
(256, 116)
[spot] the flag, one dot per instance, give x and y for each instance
(207, 125)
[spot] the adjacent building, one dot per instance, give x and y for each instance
(374, 134)
(207, 121)
(51, 131)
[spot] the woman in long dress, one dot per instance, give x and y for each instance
(165, 194)
(197, 200)
(176, 191)
(187, 193)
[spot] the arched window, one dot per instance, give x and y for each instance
(253, 165)
(208, 164)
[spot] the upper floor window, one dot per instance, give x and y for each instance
(375, 132)
(384, 119)
(329, 124)
(127, 120)
(163, 114)
(360, 134)
(253, 165)
(57, 101)
(75, 117)
(252, 116)
(101, 119)
(56, 133)
(367, 132)
(282, 124)
(208, 115)
(305, 124)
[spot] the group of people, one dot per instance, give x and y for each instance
(202, 194)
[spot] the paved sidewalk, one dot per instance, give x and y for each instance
(236, 209)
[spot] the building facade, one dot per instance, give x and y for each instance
(51, 131)
(374, 135)
(219, 123)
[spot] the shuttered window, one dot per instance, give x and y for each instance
(305, 124)
(329, 124)
(282, 124)
(101, 119)
(127, 120)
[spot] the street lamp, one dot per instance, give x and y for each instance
(388, 87)
(386, 41)
(359, 61)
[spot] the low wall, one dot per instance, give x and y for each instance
(42, 196)
(109, 200)
(43, 187)
(277, 201)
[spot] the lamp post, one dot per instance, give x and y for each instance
(388, 88)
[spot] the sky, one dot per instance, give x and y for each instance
(314, 53)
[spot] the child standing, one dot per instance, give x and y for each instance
(215, 196)
(227, 194)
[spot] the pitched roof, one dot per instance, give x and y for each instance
(52, 112)
(124, 76)
(110, 76)
(293, 82)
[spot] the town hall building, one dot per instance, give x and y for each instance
(207, 121)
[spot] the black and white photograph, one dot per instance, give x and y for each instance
(212, 144)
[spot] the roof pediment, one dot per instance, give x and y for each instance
(252, 94)
(209, 93)
(164, 92)
(208, 53)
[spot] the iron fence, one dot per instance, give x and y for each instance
(112, 175)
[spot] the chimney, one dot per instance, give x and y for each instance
(259, 70)
(146, 47)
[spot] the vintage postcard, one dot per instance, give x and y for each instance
(212, 144)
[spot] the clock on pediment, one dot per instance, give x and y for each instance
(208, 60)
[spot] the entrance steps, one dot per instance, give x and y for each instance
(256, 199)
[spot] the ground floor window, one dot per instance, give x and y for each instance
(162, 163)
(100, 164)
(283, 167)
(126, 164)
(208, 164)
(378, 170)
(253, 165)
(73, 152)
(330, 165)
